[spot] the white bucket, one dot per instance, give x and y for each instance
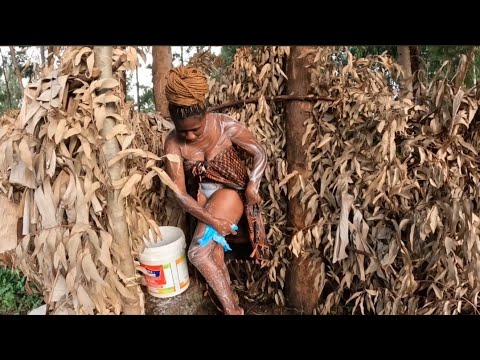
(166, 263)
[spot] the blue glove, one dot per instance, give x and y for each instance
(211, 233)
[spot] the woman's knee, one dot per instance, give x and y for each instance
(227, 204)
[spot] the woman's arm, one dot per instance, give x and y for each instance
(241, 136)
(189, 204)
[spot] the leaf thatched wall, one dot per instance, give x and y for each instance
(391, 206)
(258, 73)
(54, 165)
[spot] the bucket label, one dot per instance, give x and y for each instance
(159, 276)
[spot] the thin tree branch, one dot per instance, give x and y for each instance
(42, 55)
(119, 62)
(50, 57)
(474, 67)
(463, 68)
(138, 90)
(274, 98)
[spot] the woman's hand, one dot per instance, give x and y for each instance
(251, 194)
(223, 226)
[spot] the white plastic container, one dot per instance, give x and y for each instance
(166, 263)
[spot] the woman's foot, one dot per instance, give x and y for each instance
(236, 311)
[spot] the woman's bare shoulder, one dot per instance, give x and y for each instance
(225, 121)
(223, 117)
(171, 142)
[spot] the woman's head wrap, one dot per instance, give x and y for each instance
(186, 86)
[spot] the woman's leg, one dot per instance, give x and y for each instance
(209, 259)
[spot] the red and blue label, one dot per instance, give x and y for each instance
(156, 275)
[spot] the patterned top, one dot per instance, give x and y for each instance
(225, 168)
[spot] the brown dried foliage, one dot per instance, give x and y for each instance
(396, 188)
(54, 165)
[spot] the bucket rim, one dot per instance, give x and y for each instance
(173, 241)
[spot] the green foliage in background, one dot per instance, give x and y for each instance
(13, 297)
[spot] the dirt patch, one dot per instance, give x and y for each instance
(191, 302)
(196, 300)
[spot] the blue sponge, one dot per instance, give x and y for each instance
(210, 233)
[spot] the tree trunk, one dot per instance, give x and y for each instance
(115, 208)
(300, 290)
(406, 79)
(162, 63)
(9, 96)
(13, 54)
